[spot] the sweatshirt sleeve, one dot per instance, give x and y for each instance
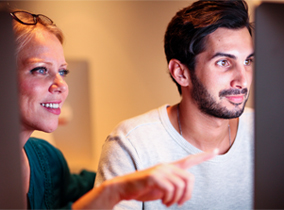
(118, 157)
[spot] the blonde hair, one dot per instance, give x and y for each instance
(24, 33)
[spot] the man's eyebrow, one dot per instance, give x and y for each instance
(228, 55)
(251, 55)
(219, 54)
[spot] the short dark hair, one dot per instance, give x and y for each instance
(185, 34)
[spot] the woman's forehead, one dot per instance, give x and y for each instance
(43, 45)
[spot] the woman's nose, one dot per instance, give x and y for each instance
(59, 85)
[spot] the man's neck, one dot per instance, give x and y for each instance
(201, 130)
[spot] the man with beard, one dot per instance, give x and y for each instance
(209, 50)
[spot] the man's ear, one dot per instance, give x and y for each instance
(179, 72)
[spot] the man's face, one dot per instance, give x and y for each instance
(223, 73)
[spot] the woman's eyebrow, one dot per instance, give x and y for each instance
(36, 60)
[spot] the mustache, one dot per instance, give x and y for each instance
(233, 92)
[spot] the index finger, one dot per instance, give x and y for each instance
(193, 160)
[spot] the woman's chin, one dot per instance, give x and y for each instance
(49, 129)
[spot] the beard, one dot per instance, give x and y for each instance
(209, 106)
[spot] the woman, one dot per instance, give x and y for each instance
(48, 183)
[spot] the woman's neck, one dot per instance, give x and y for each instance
(24, 136)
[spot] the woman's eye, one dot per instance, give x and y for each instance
(223, 63)
(63, 72)
(39, 70)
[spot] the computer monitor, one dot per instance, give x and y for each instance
(269, 106)
(11, 189)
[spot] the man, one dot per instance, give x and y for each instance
(209, 50)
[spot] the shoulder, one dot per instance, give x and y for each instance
(42, 145)
(141, 121)
(46, 152)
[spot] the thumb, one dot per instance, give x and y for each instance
(193, 160)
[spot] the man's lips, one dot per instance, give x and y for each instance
(235, 98)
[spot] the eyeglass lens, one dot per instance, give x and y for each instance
(31, 19)
(25, 17)
(44, 19)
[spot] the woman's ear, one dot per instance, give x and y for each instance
(179, 72)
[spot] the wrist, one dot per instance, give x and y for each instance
(102, 197)
(110, 194)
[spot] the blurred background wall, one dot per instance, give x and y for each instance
(122, 44)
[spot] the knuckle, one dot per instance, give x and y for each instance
(180, 184)
(170, 189)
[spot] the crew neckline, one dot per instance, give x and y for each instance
(188, 146)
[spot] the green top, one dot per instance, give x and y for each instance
(52, 186)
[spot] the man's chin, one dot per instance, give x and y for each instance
(237, 104)
(236, 112)
(225, 113)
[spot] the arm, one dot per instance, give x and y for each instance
(69, 187)
(169, 182)
(54, 186)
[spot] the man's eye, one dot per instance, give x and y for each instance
(39, 70)
(248, 62)
(64, 72)
(223, 63)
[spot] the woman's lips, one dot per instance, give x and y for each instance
(52, 107)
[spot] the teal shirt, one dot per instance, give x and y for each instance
(52, 186)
